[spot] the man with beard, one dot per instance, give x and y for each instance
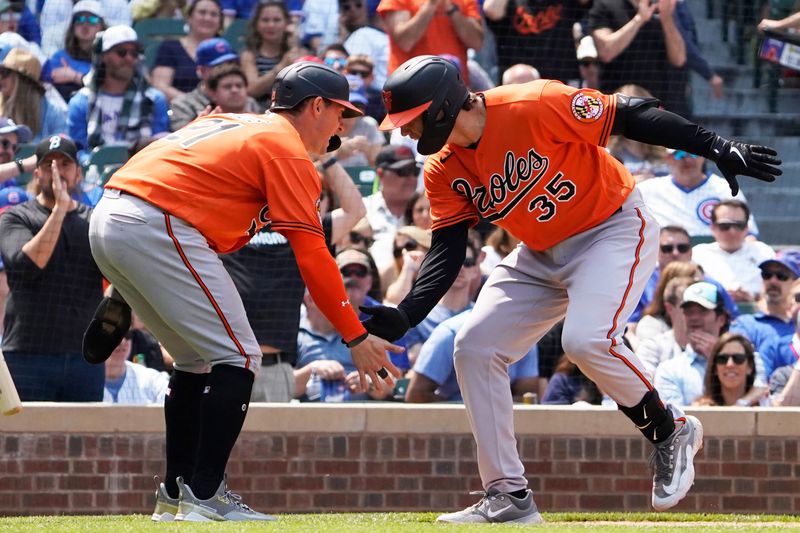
(54, 283)
(117, 106)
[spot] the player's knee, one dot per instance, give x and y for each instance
(580, 346)
(468, 349)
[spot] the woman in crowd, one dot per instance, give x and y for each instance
(23, 98)
(730, 372)
(270, 45)
(66, 68)
(174, 72)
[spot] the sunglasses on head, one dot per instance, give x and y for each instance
(738, 358)
(782, 276)
(357, 238)
(670, 248)
(727, 226)
(470, 262)
(94, 20)
(354, 271)
(6, 144)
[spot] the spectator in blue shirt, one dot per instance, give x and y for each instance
(781, 351)
(776, 319)
(434, 376)
(66, 68)
(117, 106)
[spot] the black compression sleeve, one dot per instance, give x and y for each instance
(651, 125)
(439, 269)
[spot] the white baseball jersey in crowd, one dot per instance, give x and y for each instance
(737, 270)
(672, 204)
(141, 386)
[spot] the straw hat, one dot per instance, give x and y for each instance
(25, 64)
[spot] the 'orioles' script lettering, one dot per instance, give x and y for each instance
(517, 171)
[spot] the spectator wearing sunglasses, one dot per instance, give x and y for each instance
(11, 136)
(730, 373)
(66, 68)
(410, 245)
(732, 258)
(687, 195)
(777, 309)
(117, 107)
(398, 172)
(675, 245)
(363, 67)
(56, 17)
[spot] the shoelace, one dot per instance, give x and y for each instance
(484, 496)
(662, 460)
(236, 500)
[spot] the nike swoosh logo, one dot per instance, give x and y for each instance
(495, 513)
(679, 460)
(737, 152)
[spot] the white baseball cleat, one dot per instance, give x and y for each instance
(673, 464)
(497, 507)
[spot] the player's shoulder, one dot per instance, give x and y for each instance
(519, 92)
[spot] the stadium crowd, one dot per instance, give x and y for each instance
(86, 84)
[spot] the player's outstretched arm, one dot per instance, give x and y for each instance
(640, 119)
(437, 273)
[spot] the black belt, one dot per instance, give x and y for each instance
(273, 358)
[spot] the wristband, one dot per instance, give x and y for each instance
(329, 163)
(20, 166)
(358, 340)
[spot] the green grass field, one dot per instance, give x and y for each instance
(413, 523)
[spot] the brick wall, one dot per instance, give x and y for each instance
(358, 458)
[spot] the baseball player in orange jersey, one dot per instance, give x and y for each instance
(529, 158)
(164, 217)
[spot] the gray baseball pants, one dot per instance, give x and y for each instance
(593, 280)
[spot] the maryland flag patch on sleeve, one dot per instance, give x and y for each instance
(586, 108)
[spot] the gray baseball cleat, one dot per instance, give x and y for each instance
(223, 505)
(497, 507)
(673, 464)
(166, 507)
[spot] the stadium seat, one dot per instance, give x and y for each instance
(107, 159)
(152, 31)
(235, 34)
(365, 178)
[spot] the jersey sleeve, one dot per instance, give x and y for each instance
(576, 115)
(448, 207)
(293, 191)
(387, 6)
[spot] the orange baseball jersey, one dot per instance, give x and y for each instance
(539, 170)
(270, 179)
(265, 178)
(440, 37)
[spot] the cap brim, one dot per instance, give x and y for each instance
(350, 111)
(223, 59)
(401, 118)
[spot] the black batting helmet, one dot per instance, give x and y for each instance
(427, 85)
(305, 79)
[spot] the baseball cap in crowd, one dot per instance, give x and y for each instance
(586, 49)
(422, 236)
(9, 126)
(11, 196)
(701, 293)
(352, 257)
(119, 34)
(788, 258)
(88, 6)
(56, 143)
(213, 52)
(395, 157)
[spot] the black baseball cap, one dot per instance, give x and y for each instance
(57, 143)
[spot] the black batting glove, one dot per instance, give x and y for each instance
(735, 158)
(388, 323)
